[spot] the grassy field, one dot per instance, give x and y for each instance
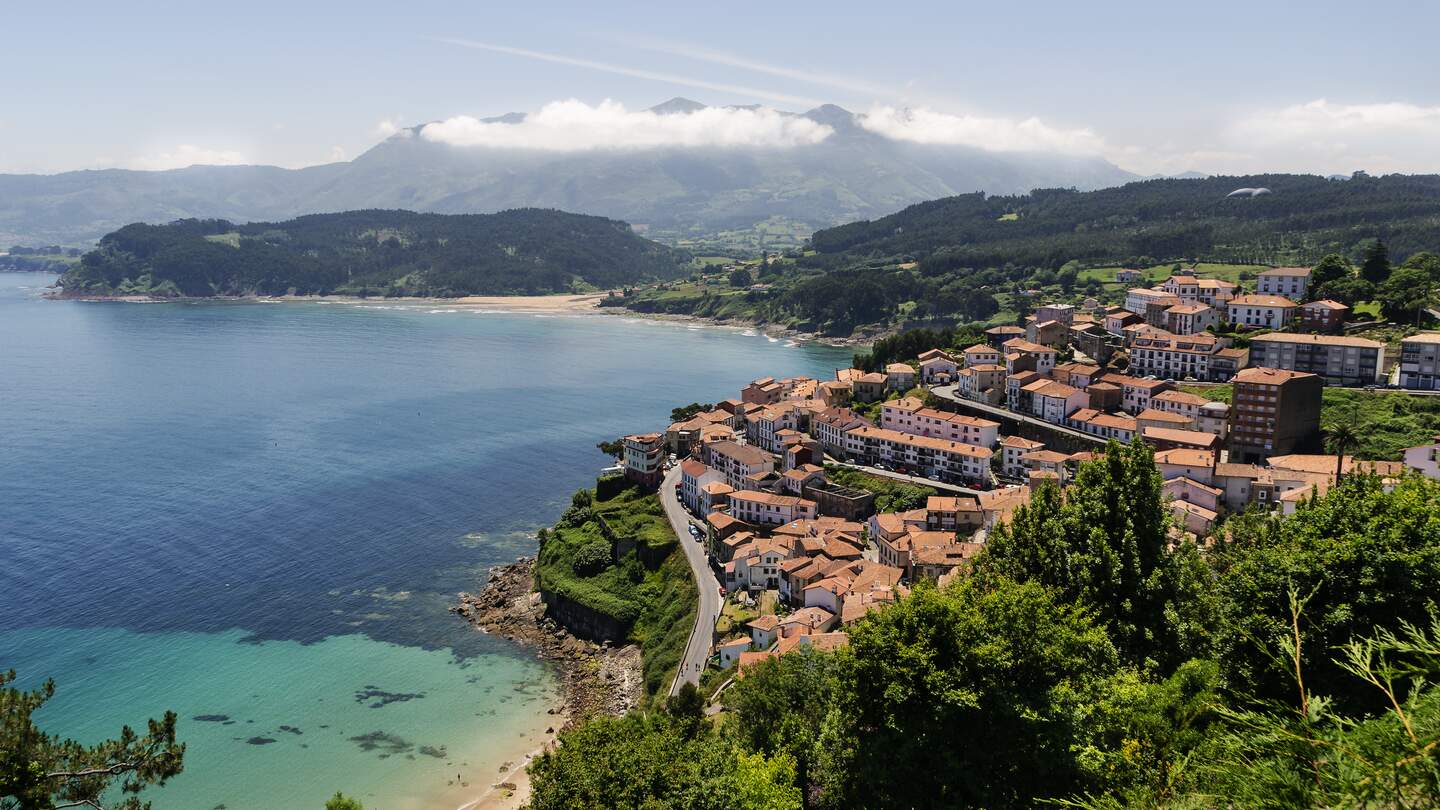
(1387, 422)
(1243, 274)
(890, 495)
(658, 605)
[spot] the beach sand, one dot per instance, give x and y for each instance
(529, 303)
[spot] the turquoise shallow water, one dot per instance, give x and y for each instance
(261, 512)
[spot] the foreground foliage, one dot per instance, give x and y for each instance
(39, 771)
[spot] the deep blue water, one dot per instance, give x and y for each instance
(226, 504)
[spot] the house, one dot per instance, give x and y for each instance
(1197, 465)
(1170, 438)
(1117, 320)
(1136, 392)
(952, 514)
(768, 509)
(713, 496)
(730, 650)
(764, 391)
(1080, 375)
(899, 377)
(1260, 311)
(1190, 319)
(982, 383)
(644, 458)
(1044, 356)
(694, 476)
(764, 631)
(1127, 274)
(981, 354)
(1181, 403)
(1193, 517)
(999, 504)
(1424, 459)
(1115, 426)
(1324, 316)
(1420, 362)
(937, 367)
(869, 387)
(1341, 360)
(1214, 417)
(1047, 333)
(1291, 282)
(1190, 491)
(1054, 401)
(1049, 462)
(998, 336)
(1012, 449)
(1064, 313)
(1155, 417)
(933, 562)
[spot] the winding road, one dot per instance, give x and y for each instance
(697, 649)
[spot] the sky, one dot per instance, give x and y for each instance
(1156, 88)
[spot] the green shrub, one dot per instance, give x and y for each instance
(591, 559)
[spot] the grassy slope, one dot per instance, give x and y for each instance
(1386, 421)
(659, 605)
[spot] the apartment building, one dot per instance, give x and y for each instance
(1064, 313)
(644, 458)
(1340, 360)
(923, 455)
(982, 383)
(1260, 311)
(1420, 362)
(1169, 356)
(937, 367)
(1012, 451)
(1044, 355)
(694, 476)
(1291, 282)
(738, 462)
(830, 426)
(764, 391)
(899, 377)
(909, 415)
(1117, 320)
(1150, 305)
(769, 509)
(1181, 404)
(1273, 412)
(1115, 426)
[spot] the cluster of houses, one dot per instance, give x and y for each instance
(752, 470)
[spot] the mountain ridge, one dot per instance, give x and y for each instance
(677, 193)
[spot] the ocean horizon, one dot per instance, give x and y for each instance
(257, 515)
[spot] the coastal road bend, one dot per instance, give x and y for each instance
(697, 649)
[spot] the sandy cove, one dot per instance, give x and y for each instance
(594, 678)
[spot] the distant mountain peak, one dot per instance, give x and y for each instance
(836, 117)
(679, 104)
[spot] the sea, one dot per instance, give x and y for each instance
(257, 514)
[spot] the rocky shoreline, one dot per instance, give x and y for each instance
(595, 678)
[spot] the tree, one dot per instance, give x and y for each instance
(740, 277)
(1340, 436)
(1404, 296)
(342, 802)
(39, 771)
(1332, 267)
(1376, 266)
(687, 706)
(781, 704)
(1105, 543)
(1366, 558)
(612, 448)
(685, 412)
(1348, 290)
(964, 698)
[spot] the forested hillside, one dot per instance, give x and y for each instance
(973, 258)
(527, 251)
(1303, 218)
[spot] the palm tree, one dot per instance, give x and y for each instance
(1340, 436)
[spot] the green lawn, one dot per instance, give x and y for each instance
(1158, 273)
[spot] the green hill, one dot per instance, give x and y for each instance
(525, 251)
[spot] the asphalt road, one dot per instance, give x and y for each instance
(909, 479)
(697, 649)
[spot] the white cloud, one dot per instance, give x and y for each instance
(337, 154)
(1324, 136)
(390, 126)
(923, 125)
(565, 126)
(187, 154)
